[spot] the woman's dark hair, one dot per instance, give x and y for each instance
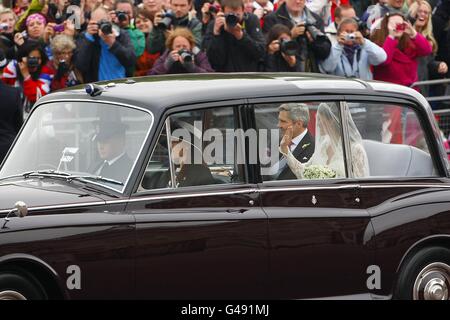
(276, 31)
(28, 47)
(380, 35)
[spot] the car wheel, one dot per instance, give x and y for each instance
(425, 276)
(14, 286)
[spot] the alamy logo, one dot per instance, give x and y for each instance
(374, 280)
(74, 280)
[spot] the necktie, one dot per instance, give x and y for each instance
(104, 169)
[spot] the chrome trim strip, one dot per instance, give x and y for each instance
(116, 104)
(301, 188)
(367, 186)
(61, 206)
(186, 195)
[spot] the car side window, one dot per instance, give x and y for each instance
(393, 140)
(195, 148)
(300, 141)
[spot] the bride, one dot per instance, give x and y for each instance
(328, 151)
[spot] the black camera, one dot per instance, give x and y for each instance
(288, 47)
(33, 62)
(75, 3)
(167, 19)
(314, 31)
(121, 16)
(362, 25)
(3, 27)
(231, 19)
(185, 55)
(105, 26)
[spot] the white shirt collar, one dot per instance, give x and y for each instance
(297, 140)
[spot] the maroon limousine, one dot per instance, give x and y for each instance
(177, 187)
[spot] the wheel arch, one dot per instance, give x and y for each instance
(44, 273)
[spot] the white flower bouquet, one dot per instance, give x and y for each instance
(318, 172)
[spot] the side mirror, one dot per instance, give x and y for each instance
(22, 211)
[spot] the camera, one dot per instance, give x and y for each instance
(400, 27)
(314, 31)
(231, 19)
(362, 25)
(185, 55)
(58, 28)
(75, 3)
(33, 62)
(214, 8)
(350, 37)
(24, 34)
(105, 26)
(3, 27)
(288, 47)
(121, 16)
(167, 19)
(411, 19)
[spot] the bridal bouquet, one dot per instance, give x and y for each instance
(319, 172)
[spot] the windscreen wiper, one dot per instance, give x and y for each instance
(96, 178)
(44, 173)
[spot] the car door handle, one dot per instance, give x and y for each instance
(236, 210)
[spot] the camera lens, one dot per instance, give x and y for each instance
(167, 20)
(231, 20)
(288, 47)
(33, 62)
(185, 55)
(105, 27)
(121, 16)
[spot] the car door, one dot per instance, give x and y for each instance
(317, 229)
(407, 192)
(197, 237)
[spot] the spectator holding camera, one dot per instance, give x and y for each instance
(7, 21)
(181, 56)
(429, 68)
(352, 55)
(307, 28)
(30, 72)
(209, 11)
(65, 73)
(179, 16)
(123, 16)
(342, 12)
(262, 8)
(441, 31)
(403, 46)
(233, 41)
(281, 51)
(104, 51)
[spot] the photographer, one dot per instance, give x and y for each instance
(307, 29)
(7, 22)
(179, 16)
(281, 51)
(104, 52)
(352, 55)
(262, 8)
(209, 11)
(342, 12)
(65, 74)
(441, 31)
(123, 16)
(30, 72)
(233, 41)
(181, 56)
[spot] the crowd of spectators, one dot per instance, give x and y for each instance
(52, 44)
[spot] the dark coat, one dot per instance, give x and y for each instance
(87, 55)
(441, 18)
(119, 170)
(302, 154)
(200, 65)
(194, 175)
(276, 63)
(227, 54)
(308, 52)
(11, 118)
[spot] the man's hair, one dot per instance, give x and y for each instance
(297, 112)
(8, 11)
(232, 4)
(124, 1)
(180, 32)
(338, 11)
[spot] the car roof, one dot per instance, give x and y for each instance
(159, 92)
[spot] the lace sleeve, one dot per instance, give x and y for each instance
(359, 161)
(296, 166)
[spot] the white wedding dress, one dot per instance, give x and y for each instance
(328, 149)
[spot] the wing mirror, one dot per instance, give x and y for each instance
(20, 210)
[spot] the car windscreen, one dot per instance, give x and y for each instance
(92, 141)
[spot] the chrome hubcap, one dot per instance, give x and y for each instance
(11, 295)
(433, 282)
